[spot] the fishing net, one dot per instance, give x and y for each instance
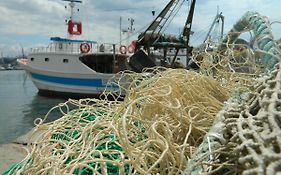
(232, 67)
(238, 60)
(254, 131)
(243, 140)
(224, 119)
(157, 126)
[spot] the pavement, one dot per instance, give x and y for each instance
(16, 151)
(10, 154)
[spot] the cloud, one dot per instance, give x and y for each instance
(233, 11)
(32, 22)
(105, 16)
(29, 16)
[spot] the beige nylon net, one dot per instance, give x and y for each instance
(220, 120)
(254, 131)
(245, 137)
(155, 129)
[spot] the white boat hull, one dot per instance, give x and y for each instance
(93, 86)
(78, 79)
(75, 66)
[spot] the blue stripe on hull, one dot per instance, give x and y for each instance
(69, 81)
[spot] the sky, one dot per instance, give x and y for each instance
(30, 23)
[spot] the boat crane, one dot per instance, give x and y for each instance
(219, 17)
(152, 37)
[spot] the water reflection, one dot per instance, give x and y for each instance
(20, 105)
(27, 113)
(38, 108)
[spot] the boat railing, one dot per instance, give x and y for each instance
(75, 48)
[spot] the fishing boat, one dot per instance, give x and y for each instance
(69, 66)
(72, 67)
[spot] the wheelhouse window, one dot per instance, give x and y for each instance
(46, 59)
(65, 60)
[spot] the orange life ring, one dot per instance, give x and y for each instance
(123, 49)
(134, 43)
(84, 47)
(131, 48)
(23, 61)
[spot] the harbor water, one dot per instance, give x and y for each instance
(20, 105)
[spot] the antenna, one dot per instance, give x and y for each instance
(72, 5)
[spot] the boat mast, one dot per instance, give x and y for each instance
(216, 20)
(70, 22)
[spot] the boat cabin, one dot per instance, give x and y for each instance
(105, 62)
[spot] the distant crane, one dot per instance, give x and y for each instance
(219, 17)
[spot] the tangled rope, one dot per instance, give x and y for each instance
(235, 142)
(175, 121)
(155, 129)
(236, 60)
(264, 42)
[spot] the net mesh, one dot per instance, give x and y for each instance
(237, 142)
(224, 119)
(155, 129)
(254, 134)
